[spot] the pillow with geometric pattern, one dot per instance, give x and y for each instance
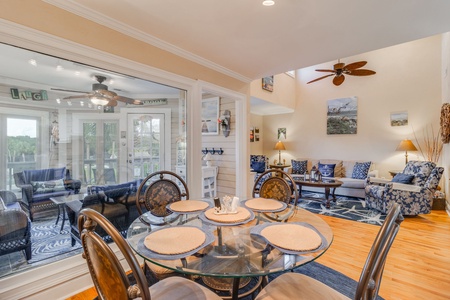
(360, 170)
(299, 166)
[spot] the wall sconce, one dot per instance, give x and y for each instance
(225, 122)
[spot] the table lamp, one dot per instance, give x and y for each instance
(279, 146)
(406, 145)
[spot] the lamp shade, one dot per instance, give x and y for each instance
(406, 145)
(279, 146)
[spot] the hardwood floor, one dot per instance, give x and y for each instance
(418, 264)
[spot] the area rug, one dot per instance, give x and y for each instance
(345, 207)
(48, 242)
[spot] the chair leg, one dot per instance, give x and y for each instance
(28, 251)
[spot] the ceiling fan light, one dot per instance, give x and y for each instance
(99, 101)
(268, 2)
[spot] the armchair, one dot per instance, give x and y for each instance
(414, 198)
(39, 185)
(15, 227)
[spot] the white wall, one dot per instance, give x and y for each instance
(446, 99)
(408, 79)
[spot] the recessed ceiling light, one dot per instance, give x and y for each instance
(32, 62)
(268, 2)
(59, 68)
(58, 100)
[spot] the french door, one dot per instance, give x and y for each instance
(146, 144)
(99, 151)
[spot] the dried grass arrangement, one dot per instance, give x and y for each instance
(431, 143)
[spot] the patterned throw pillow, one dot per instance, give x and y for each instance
(258, 166)
(360, 170)
(403, 178)
(327, 170)
(299, 166)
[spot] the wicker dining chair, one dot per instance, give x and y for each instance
(109, 276)
(297, 286)
(155, 192)
(158, 190)
(278, 185)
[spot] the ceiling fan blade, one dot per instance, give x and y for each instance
(361, 72)
(106, 93)
(69, 91)
(338, 80)
(78, 97)
(317, 79)
(325, 70)
(355, 65)
(112, 102)
(128, 100)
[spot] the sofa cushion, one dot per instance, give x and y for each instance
(420, 169)
(2, 204)
(327, 170)
(403, 178)
(44, 175)
(299, 166)
(352, 183)
(361, 169)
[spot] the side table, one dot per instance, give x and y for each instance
(61, 202)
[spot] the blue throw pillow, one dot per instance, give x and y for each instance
(327, 170)
(403, 178)
(258, 166)
(360, 170)
(299, 166)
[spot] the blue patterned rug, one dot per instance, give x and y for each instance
(345, 207)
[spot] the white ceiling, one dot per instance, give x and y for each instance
(247, 40)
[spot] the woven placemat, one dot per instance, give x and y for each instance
(188, 206)
(264, 204)
(175, 240)
(241, 215)
(292, 237)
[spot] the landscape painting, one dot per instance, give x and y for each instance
(399, 118)
(342, 116)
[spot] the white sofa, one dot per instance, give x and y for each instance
(343, 171)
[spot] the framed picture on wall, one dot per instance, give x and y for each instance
(399, 118)
(342, 116)
(281, 134)
(267, 83)
(210, 116)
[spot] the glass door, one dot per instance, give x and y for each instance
(100, 153)
(146, 140)
(21, 149)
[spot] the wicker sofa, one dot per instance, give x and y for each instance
(343, 171)
(38, 186)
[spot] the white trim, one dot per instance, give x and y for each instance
(133, 32)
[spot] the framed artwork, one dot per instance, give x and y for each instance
(399, 118)
(281, 134)
(267, 83)
(342, 116)
(252, 135)
(210, 116)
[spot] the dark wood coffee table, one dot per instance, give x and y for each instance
(327, 184)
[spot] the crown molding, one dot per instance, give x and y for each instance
(133, 32)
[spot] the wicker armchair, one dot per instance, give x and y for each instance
(15, 227)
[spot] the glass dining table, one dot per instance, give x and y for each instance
(234, 254)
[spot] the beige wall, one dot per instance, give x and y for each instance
(283, 91)
(446, 99)
(408, 79)
(49, 19)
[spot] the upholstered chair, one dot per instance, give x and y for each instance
(298, 286)
(108, 275)
(413, 190)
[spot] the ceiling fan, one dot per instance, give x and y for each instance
(341, 69)
(100, 94)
